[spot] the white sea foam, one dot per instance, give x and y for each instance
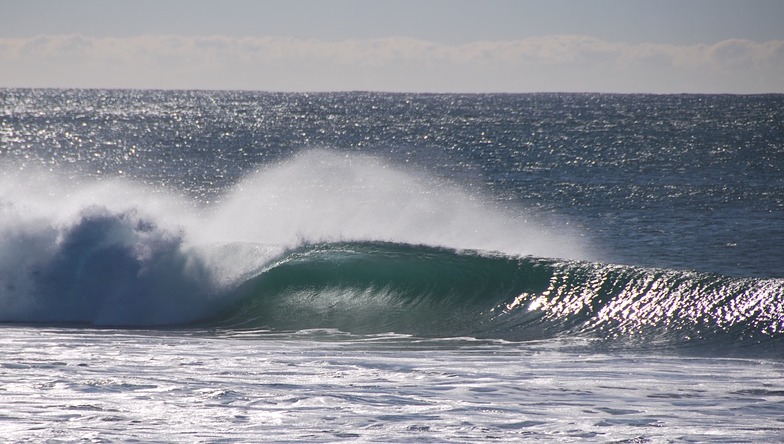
(323, 386)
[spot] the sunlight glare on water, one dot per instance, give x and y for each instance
(325, 386)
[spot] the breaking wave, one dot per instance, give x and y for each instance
(346, 242)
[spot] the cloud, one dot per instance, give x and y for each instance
(550, 63)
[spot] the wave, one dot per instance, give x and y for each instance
(117, 252)
(427, 291)
(330, 241)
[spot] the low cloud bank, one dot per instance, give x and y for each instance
(551, 63)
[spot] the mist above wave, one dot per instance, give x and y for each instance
(326, 196)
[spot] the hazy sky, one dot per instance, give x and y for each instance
(396, 45)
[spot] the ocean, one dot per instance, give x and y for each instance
(229, 266)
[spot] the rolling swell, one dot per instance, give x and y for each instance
(370, 287)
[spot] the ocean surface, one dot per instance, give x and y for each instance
(222, 266)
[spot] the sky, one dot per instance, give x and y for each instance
(623, 46)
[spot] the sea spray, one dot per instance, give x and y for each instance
(323, 196)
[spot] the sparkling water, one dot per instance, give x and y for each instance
(197, 266)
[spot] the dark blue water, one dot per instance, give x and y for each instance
(238, 266)
(685, 192)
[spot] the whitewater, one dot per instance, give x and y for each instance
(243, 267)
